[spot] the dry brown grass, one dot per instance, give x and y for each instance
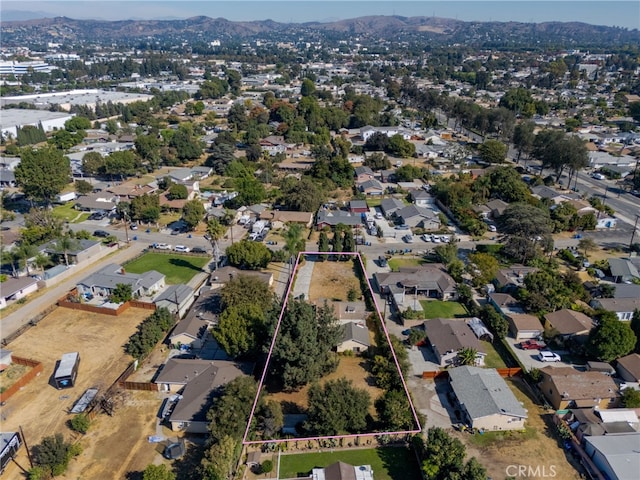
(332, 281)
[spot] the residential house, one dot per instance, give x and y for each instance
(486, 400)
(497, 207)
(616, 456)
(358, 206)
(7, 179)
(505, 304)
(274, 144)
(97, 202)
(342, 471)
(129, 190)
(429, 280)
(389, 206)
(5, 358)
(512, 278)
(569, 323)
(590, 422)
(355, 337)
(363, 174)
(355, 311)
(415, 216)
(190, 412)
(176, 298)
(367, 131)
(448, 336)
(190, 331)
(422, 198)
(15, 288)
(566, 387)
(622, 307)
(542, 191)
(523, 326)
(626, 290)
(177, 372)
(387, 175)
(104, 281)
(371, 187)
(280, 218)
(628, 367)
(81, 251)
(221, 276)
(9, 239)
(622, 270)
(331, 218)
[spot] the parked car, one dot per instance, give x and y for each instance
(382, 261)
(408, 238)
(402, 227)
(426, 238)
(547, 356)
(598, 176)
(181, 248)
(199, 250)
(97, 216)
(162, 246)
(133, 226)
(101, 233)
(492, 228)
(176, 231)
(378, 215)
(532, 345)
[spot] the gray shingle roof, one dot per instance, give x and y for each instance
(483, 392)
(358, 332)
(180, 291)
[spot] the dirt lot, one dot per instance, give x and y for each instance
(114, 445)
(332, 280)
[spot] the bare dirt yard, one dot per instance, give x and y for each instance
(537, 447)
(114, 445)
(332, 281)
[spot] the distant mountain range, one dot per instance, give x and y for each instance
(385, 27)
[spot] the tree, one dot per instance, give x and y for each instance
(229, 413)
(302, 195)
(80, 423)
(323, 245)
(192, 213)
(248, 255)
(42, 173)
(399, 147)
(494, 321)
(53, 454)
(482, 267)
(308, 88)
(630, 398)
(215, 231)
(239, 329)
(303, 350)
(493, 151)
(635, 326)
(337, 407)
(393, 411)
(444, 455)
(120, 164)
(587, 244)
(158, 472)
(145, 208)
(377, 161)
(467, 356)
(523, 138)
(83, 187)
(92, 164)
(611, 338)
(187, 145)
(121, 293)
(525, 227)
(178, 191)
(221, 459)
(77, 123)
(65, 244)
(447, 252)
(294, 243)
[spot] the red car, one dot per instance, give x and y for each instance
(532, 345)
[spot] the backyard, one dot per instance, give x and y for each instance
(67, 213)
(176, 268)
(389, 463)
(440, 309)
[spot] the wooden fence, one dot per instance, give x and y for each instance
(65, 302)
(36, 369)
(146, 386)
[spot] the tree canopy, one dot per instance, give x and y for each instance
(42, 173)
(248, 255)
(611, 338)
(337, 407)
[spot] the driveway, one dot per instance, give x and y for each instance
(529, 357)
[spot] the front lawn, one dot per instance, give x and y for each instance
(67, 213)
(389, 463)
(440, 309)
(177, 268)
(396, 263)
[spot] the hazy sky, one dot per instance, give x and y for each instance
(622, 13)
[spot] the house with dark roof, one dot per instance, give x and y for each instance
(589, 422)
(628, 367)
(389, 206)
(416, 216)
(622, 270)
(362, 174)
(486, 400)
(497, 207)
(104, 281)
(505, 304)
(342, 471)
(371, 187)
(568, 323)
(331, 218)
(626, 290)
(358, 206)
(512, 278)
(204, 384)
(448, 336)
(176, 298)
(566, 387)
(355, 337)
(523, 326)
(429, 280)
(422, 198)
(616, 456)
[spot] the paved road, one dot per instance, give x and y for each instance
(14, 321)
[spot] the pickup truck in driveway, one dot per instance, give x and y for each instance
(532, 345)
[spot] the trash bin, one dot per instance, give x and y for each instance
(135, 237)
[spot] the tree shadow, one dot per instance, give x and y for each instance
(182, 263)
(399, 462)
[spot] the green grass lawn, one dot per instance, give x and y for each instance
(396, 263)
(390, 463)
(67, 213)
(177, 268)
(373, 202)
(493, 358)
(440, 309)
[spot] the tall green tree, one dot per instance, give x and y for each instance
(158, 472)
(42, 173)
(523, 138)
(394, 413)
(611, 338)
(323, 245)
(248, 255)
(493, 151)
(215, 231)
(526, 227)
(337, 407)
(192, 213)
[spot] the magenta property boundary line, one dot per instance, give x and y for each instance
(273, 342)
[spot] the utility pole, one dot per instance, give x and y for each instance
(633, 234)
(26, 446)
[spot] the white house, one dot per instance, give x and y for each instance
(17, 288)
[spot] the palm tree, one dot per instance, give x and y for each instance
(467, 356)
(26, 251)
(41, 261)
(294, 243)
(215, 231)
(64, 245)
